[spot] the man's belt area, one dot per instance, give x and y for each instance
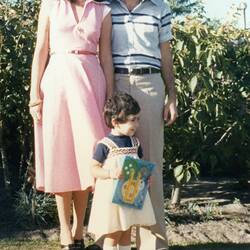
(137, 71)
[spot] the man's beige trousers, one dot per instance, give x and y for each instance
(149, 91)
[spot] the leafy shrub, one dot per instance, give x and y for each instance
(35, 208)
(212, 78)
(18, 21)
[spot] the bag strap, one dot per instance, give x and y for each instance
(134, 141)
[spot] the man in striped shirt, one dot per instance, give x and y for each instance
(143, 68)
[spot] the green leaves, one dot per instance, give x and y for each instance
(182, 7)
(18, 21)
(193, 83)
(179, 45)
(178, 170)
(209, 58)
(184, 172)
(212, 65)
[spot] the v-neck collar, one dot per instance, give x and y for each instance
(75, 17)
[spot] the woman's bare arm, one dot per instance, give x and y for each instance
(41, 54)
(105, 53)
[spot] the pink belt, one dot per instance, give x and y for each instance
(74, 51)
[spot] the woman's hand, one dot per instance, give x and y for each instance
(150, 181)
(105, 54)
(36, 112)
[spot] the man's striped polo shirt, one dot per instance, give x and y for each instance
(137, 34)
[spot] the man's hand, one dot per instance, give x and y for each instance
(170, 112)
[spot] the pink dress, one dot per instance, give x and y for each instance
(73, 89)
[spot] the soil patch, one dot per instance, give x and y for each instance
(210, 211)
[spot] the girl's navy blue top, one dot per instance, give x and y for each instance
(122, 141)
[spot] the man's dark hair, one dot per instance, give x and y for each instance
(119, 107)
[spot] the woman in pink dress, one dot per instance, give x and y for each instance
(69, 85)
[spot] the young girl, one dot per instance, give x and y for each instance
(121, 113)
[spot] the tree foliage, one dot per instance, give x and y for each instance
(212, 78)
(183, 7)
(18, 23)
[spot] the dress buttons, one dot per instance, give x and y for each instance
(79, 28)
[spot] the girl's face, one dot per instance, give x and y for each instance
(127, 128)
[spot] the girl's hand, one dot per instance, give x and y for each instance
(150, 181)
(115, 173)
(36, 112)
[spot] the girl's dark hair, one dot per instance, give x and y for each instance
(119, 107)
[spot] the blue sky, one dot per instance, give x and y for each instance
(220, 9)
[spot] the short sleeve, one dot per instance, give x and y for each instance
(48, 5)
(165, 28)
(101, 152)
(106, 11)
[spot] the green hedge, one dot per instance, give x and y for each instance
(17, 36)
(212, 69)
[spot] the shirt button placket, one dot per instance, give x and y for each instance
(130, 37)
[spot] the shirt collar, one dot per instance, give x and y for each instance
(156, 2)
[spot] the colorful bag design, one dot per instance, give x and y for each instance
(132, 189)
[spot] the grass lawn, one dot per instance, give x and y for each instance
(13, 244)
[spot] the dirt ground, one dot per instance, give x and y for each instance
(211, 211)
